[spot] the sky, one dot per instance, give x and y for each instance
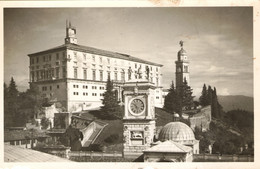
(218, 41)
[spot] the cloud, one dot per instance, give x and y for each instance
(223, 91)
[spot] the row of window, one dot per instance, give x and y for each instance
(86, 87)
(48, 74)
(86, 94)
(46, 58)
(45, 88)
(101, 77)
(100, 59)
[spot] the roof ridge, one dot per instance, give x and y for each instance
(180, 146)
(97, 51)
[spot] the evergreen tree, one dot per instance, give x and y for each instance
(219, 107)
(210, 91)
(7, 116)
(214, 105)
(12, 103)
(186, 97)
(30, 102)
(204, 96)
(110, 108)
(12, 90)
(172, 101)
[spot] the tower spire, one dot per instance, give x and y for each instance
(182, 67)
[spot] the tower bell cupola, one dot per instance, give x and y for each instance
(182, 67)
(70, 34)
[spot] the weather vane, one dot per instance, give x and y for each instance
(181, 43)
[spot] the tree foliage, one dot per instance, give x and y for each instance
(11, 104)
(45, 123)
(172, 102)
(178, 99)
(110, 108)
(20, 107)
(185, 94)
(209, 97)
(204, 96)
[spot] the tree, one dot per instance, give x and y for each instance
(172, 101)
(204, 96)
(210, 91)
(7, 115)
(11, 106)
(45, 123)
(110, 108)
(185, 95)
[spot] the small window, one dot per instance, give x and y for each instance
(57, 56)
(58, 86)
(50, 87)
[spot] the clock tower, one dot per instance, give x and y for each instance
(182, 68)
(139, 117)
(70, 34)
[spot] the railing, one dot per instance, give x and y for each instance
(92, 154)
(222, 158)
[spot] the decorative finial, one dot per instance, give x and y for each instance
(181, 43)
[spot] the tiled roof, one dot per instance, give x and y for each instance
(95, 51)
(176, 131)
(12, 135)
(19, 154)
(169, 146)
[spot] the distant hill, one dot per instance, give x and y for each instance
(237, 102)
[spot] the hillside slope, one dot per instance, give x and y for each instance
(237, 102)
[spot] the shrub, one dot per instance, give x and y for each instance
(112, 138)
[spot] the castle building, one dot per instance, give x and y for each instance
(182, 68)
(76, 75)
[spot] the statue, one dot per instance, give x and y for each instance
(181, 43)
(147, 72)
(139, 73)
(129, 73)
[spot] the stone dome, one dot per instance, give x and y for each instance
(176, 131)
(176, 115)
(182, 52)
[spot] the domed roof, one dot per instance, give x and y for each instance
(176, 115)
(181, 52)
(176, 131)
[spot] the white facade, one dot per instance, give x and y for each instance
(182, 68)
(76, 75)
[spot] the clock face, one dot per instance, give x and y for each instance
(136, 107)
